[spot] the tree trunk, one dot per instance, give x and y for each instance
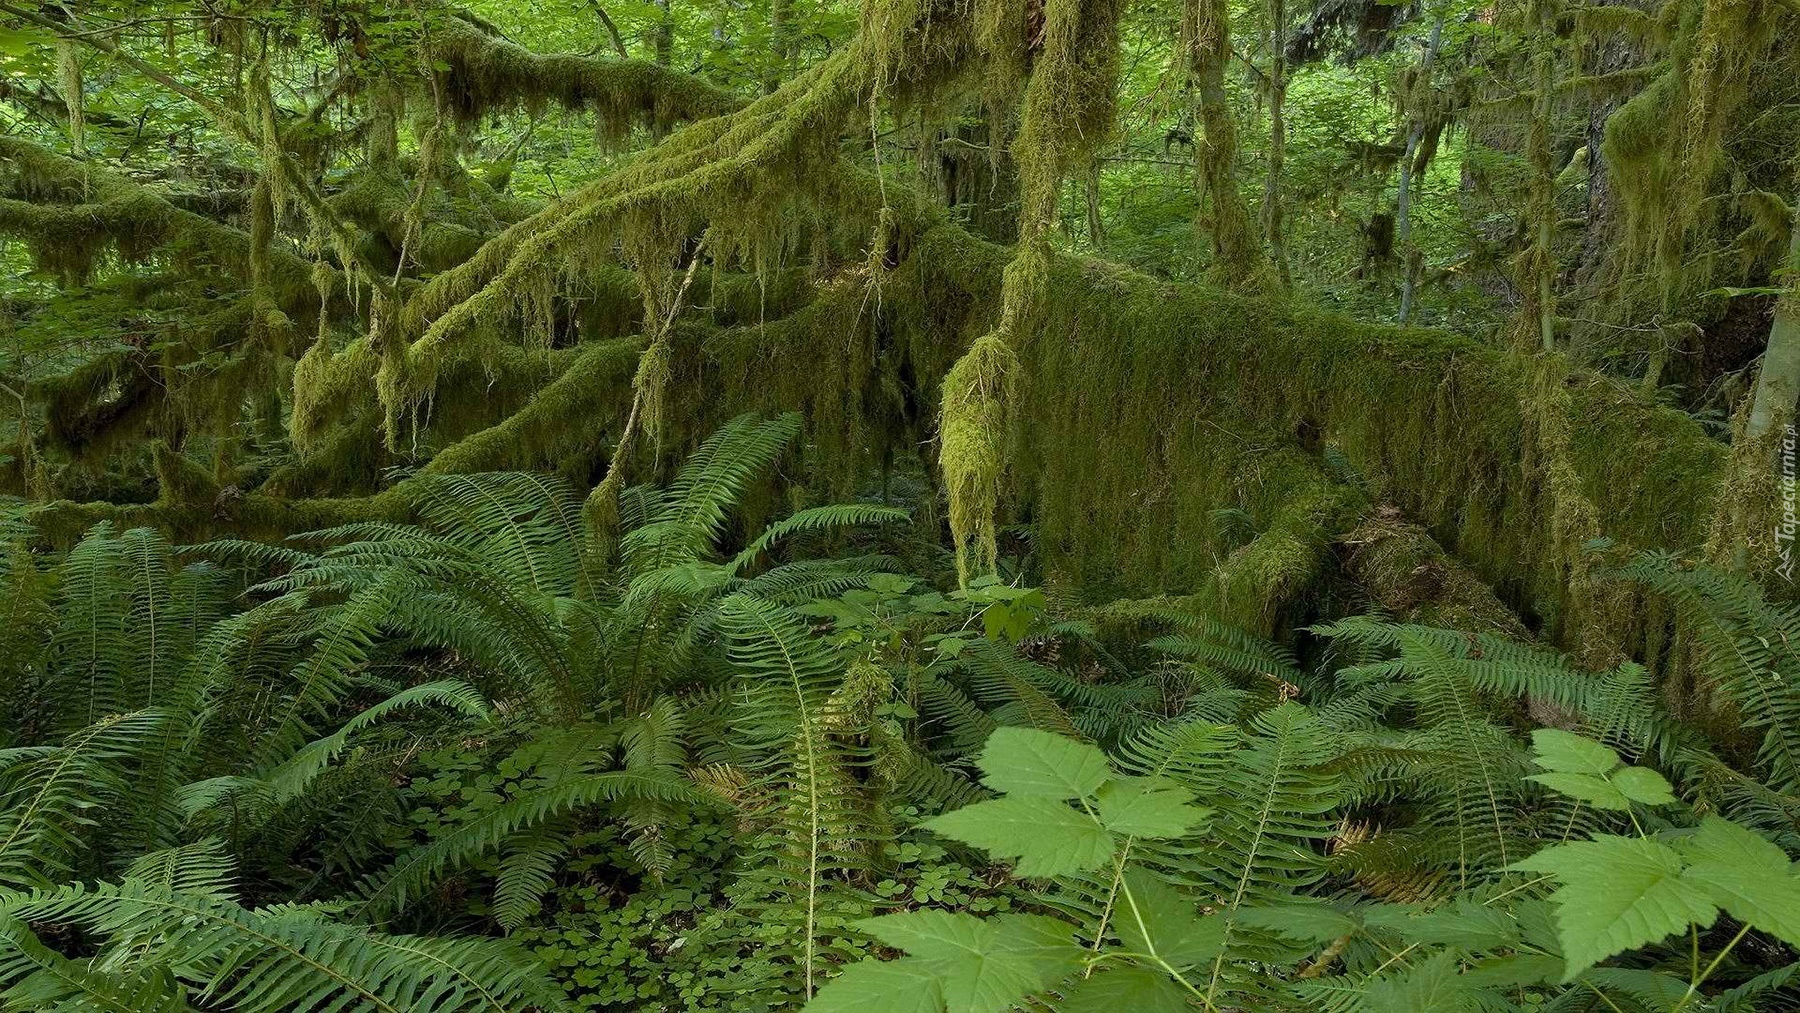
(1619, 50)
(1238, 260)
(1778, 382)
(1537, 265)
(1409, 258)
(665, 34)
(781, 39)
(1273, 226)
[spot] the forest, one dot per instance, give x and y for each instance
(899, 506)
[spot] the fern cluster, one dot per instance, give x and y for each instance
(218, 789)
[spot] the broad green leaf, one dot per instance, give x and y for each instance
(1566, 752)
(1154, 918)
(1595, 791)
(1041, 836)
(877, 986)
(1464, 924)
(982, 965)
(1746, 875)
(1147, 807)
(1127, 989)
(1514, 970)
(1718, 840)
(1616, 894)
(1025, 761)
(1307, 922)
(1641, 784)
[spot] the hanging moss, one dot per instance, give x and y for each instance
(99, 406)
(748, 176)
(1068, 112)
(974, 434)
(1238, 259)
(1665, 145)
(74, 212)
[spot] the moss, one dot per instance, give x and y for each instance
(480, 74)
(561, 426)
(1416, 581)
(326, 386)
(182, 481)
(1121, 416)
(1746, 523)
(744, 175)
(62, 523)
(1067, 113)
(99, 406)
(69, 79)
(72, 212)
(1238, 260)
(1182, 381)
(1666, 145)
(1297, 511)
(974, 431)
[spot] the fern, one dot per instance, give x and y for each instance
(653, 742)
(1744, 643)
(417, 869)
(50, 796)
(287, 958)
(817, 824)
(527, 869)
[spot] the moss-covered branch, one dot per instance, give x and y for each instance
(70, 211)
(481, 73)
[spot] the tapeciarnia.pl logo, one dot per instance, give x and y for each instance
(1784, 534)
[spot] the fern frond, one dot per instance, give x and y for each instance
(285, 959)
(818, 826)
(50, 799)
(693, 510)
(527, 525)
(527, 870)
(815, 519)
(417, 869)
(1745, 644)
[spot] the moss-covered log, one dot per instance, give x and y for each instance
(1136, 388)
(1412, 578)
